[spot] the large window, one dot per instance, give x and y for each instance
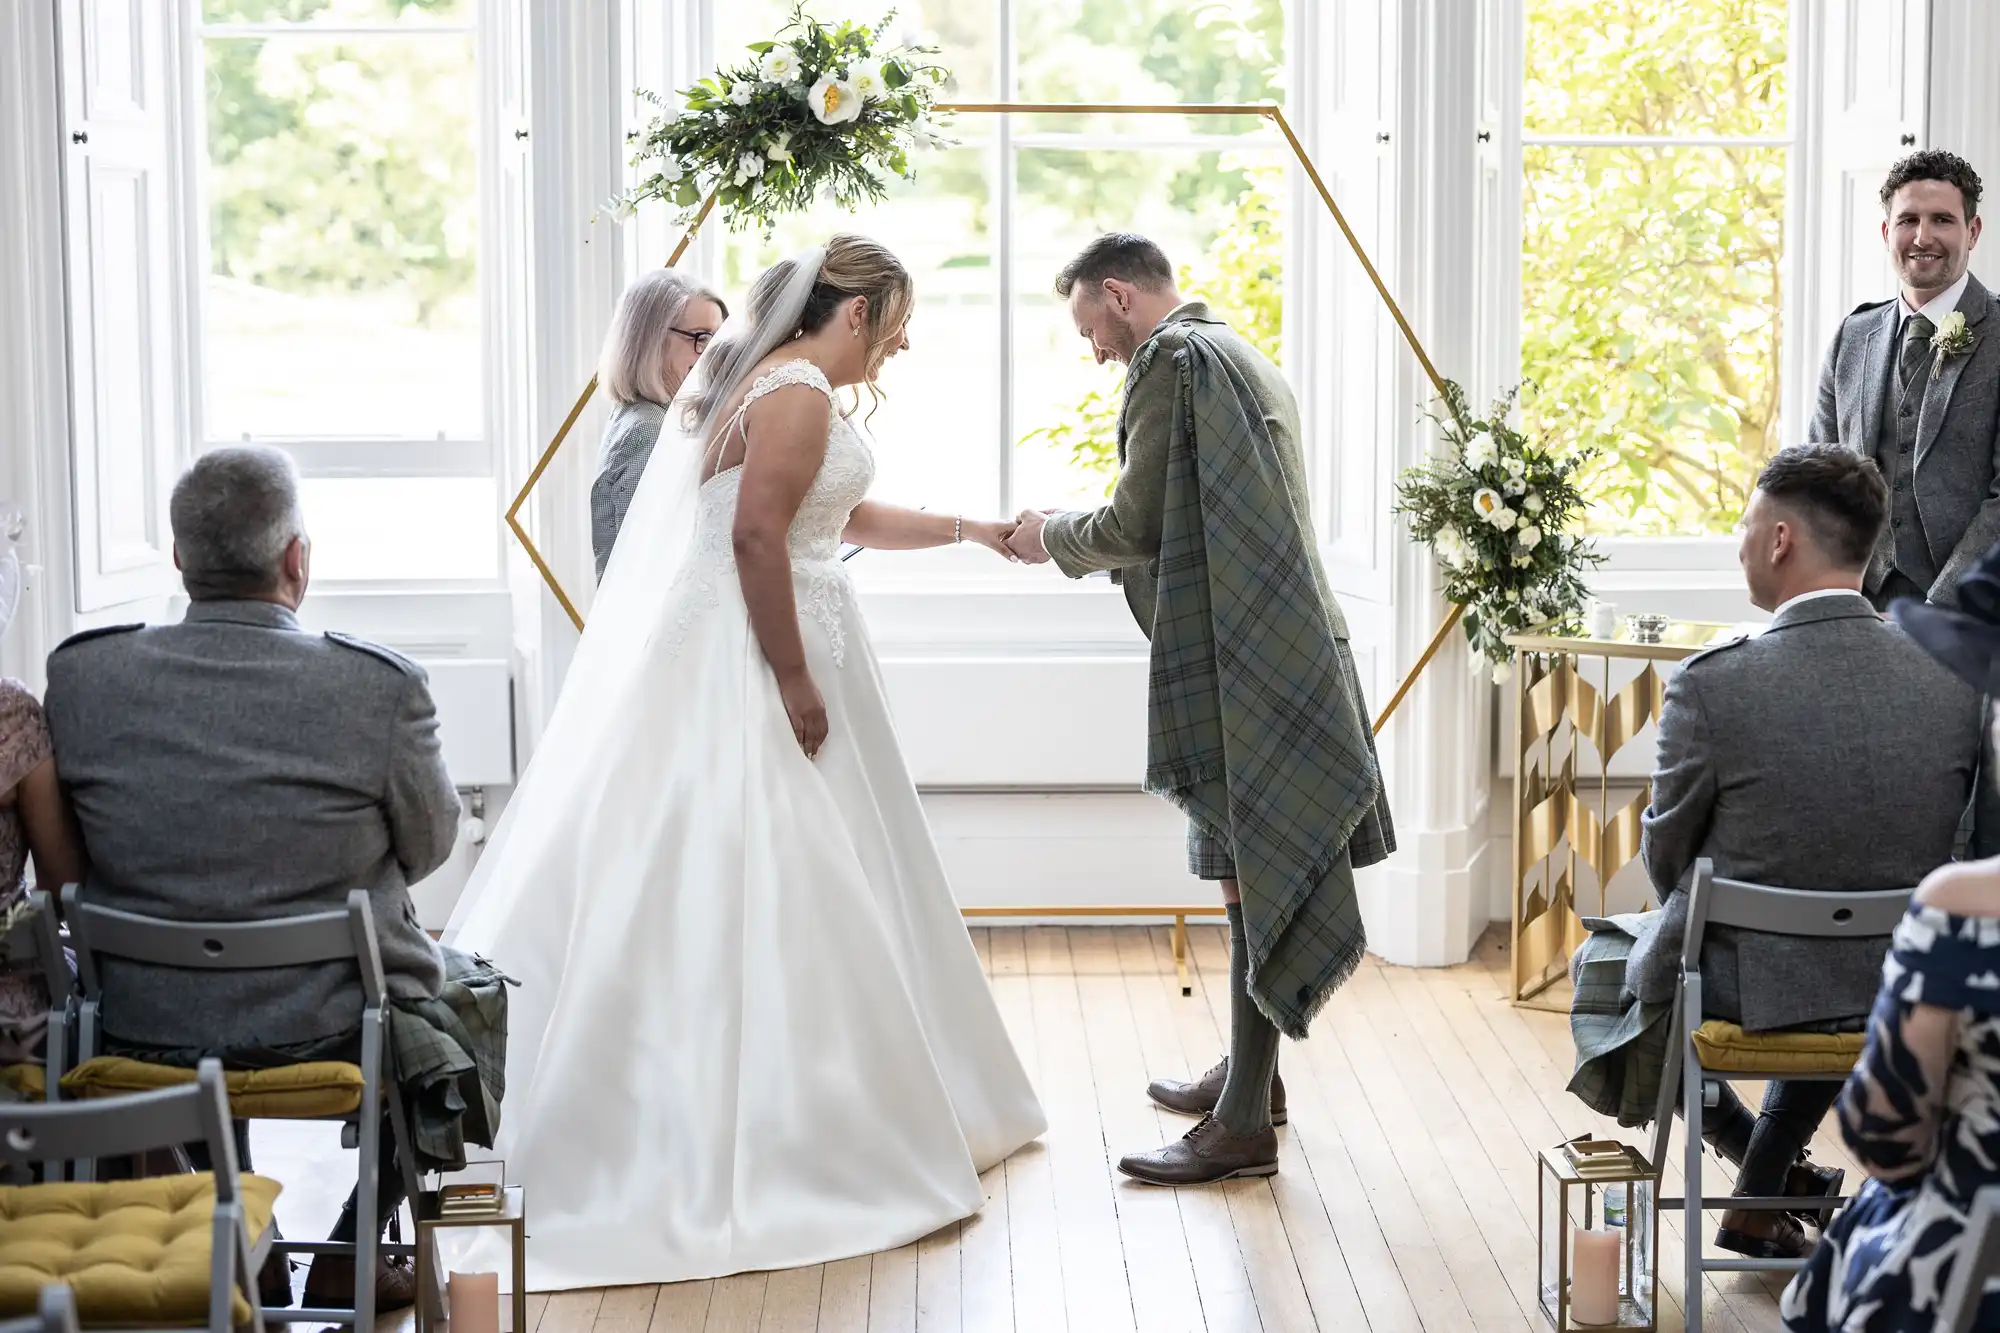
(339, 316)
(998, 403)
(1656, 140)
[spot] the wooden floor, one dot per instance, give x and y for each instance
(1405, 1199)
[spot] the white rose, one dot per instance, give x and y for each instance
(1514, 484)
(781, 148)
(1504, 518)
(781, 65)
(834, 101)
(1481, 453)
(742, 93)
(749, 168)
(1450, 546)
(1486, 502)
(1528, 538)
(865, 77)
(1533, 504)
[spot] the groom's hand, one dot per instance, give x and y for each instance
(1026, 543)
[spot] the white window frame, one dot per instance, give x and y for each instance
(334, 456)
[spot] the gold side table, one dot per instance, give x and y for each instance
(1555, 827)
(511, 1217)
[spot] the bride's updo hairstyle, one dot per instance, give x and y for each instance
(848, 266)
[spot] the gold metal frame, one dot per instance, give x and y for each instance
(1277, 118)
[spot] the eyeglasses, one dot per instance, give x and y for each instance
(699, 337)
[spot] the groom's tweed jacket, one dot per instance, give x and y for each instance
(1256, 728)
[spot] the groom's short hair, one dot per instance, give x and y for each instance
(1124, 255)
(1837, 493)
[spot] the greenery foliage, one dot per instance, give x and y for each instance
(1501, 512)
(1651, 276)
(823, 109)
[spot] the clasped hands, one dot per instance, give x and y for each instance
(1019, 540)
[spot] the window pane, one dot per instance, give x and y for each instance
(1650, 325)
(342, 295)
(412, 12)
(966, 33)
(937, 431)
(1219, 217)
(1149, 51)
(1642, 67)
(407, 528)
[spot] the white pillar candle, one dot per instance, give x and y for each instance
(1593, 1292)
(475, 1302)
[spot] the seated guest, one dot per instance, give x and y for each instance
(235, 767)
(34, 820)
(1921, 1112)
(1829, 752)
(661, 328)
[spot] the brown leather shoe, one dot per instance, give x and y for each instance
(330, 1283)
(274, 1283)
(1762, 1235)
(1806, 1181)
(1205, 1154)
(1200, 1096)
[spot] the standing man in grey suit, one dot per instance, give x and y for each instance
(1914, 383)
(235, 767)
(1777, 762)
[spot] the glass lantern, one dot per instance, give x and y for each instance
(1597, 1227)
(481, 1237)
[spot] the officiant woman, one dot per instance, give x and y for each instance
(662, 327)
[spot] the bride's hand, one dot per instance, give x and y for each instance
(806, 710)
(993, 536)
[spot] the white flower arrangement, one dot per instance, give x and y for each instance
(1500, 513)
(822, 110)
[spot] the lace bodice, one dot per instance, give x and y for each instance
(814, 539)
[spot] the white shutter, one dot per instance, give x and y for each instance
(1872, 63)
(126, 379)
(1496, 316)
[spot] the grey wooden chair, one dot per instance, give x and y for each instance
(1703, 1054)
(240, 1228)
(54, 1313)
(38, 935)
(102, 932)
(1978, 1264)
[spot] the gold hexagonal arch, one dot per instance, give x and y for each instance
(1270, 113)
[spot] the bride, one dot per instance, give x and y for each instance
(751, 1031)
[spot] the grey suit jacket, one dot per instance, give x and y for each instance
(629, 438)
(1831, 752)
(1958, 431)
(235, 767)
(1124, 535)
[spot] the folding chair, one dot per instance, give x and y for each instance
(133, 1251)
(1978, 1264)
(38, 935)
(328, 1090)
(54, 1313)
(1703, 1054)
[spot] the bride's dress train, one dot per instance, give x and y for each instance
(751, 1031)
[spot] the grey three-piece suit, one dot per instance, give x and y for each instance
(1938, 444)
(1830, 752)
(235, 767)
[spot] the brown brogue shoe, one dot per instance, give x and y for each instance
(1206, 1154)
(1199, 1096)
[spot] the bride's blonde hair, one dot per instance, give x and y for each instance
(856, 266)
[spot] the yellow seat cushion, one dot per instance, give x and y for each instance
(291, 1092)
(31, 1081)
(136, 1252)
(1727, 1048)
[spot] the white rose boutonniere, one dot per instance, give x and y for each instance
(1951, 339)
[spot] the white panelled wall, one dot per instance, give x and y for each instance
(1020, 696)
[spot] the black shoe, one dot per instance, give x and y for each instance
(1762, 1235)
(330, 1283)
(1208, 1153)
(1806, 1181)
(1200, 1096)
(274, 1283)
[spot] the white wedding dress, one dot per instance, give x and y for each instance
(751, 1031)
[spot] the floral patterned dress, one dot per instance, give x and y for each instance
(24, 996)
(1922, 1113)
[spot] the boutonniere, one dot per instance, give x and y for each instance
(1951, 339)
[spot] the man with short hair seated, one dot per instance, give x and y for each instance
(236, 767)
(1828, 752)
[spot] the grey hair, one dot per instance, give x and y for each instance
(632, 367)
(234, 514)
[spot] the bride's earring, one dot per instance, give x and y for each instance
(856, 330)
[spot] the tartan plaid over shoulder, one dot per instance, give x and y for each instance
(1256, 728)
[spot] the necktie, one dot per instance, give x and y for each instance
(1917, 333)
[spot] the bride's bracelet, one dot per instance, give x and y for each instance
(957, 529)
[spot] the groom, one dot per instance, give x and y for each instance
(1256, 724)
